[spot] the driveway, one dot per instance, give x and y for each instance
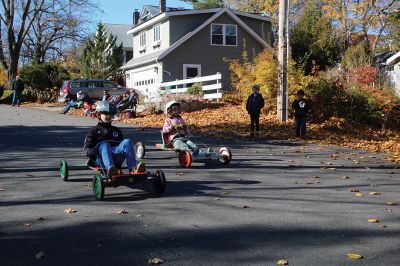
(276, 200)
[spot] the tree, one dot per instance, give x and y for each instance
(101, 57)
(60, 24)
(204, 4)
(314, 38)
(17, 16)
(42, 78)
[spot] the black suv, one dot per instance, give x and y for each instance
(94, 88)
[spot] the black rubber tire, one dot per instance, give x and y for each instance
(160, 182)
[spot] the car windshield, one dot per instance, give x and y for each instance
(109, 84)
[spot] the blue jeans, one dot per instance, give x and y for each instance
(69, 105)
(16, 97)
(108, 156)
(300, 123)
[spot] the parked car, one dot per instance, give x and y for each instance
(94, 88)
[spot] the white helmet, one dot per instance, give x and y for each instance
(170, 104)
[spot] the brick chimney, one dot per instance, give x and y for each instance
(136, 17)
(163, 6)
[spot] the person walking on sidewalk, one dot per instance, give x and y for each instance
(17, 87)
(254, 104)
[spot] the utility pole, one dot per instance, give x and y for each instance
(283, 42)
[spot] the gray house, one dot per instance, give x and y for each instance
(175, 44)
(119, 31)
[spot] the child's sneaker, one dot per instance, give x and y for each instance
(112, 171)
(139, 168)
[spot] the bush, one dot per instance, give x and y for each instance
(195, 89)
(41, 79)
(355, 57)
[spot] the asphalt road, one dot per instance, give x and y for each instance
(200, 219)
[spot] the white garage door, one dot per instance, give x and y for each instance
(145, 81)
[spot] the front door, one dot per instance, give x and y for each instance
(191, 71)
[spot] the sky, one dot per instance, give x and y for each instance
(120, 11)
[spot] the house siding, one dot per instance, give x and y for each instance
(182, 25)
(198, 50)
(261, 27)
(164, 38)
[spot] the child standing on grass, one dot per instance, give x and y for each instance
(301, 108)
(254, 104)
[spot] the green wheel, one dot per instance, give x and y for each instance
(160, 182)
(64, 170)
(98, 188)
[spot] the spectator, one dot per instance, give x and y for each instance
(254, 104)
(1, 91)
(301, 107)
(17, 87)
(106, 96)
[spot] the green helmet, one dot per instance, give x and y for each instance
(106, 107)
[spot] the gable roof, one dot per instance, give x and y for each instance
(209, 21)
(183, 12)
(154, 11)
(143, 60)
(394, 59)
(119, 31)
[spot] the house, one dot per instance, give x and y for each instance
(392, 66)
(119, 31)
(174, 44)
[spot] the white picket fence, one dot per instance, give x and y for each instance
(180, 86)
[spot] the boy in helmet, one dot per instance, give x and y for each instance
(176, 129)
(106, 144)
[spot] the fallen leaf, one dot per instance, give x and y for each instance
(375, 193)
(391, 203)
(217, 199)
(390, 173)
(156, 261)
(140, 215)
(315, 176)
(69, 210)
(29, 175)
(331, 169)
(122, 212)
(373, 220)
(40, 219)
(2, 189)
(354, 256)
(345, 177)
(283, 262)
(180, 173)
(27, 225)
(382, 226)
(373, 185)
(388, 210)
(243, 206)
(225, 193)
(359, 194)
(39, 255)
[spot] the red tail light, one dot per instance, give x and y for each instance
(66, 87)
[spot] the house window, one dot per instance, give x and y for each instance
(156, 33)
(142, 39)
(224, 34)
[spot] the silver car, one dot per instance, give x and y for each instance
(94, 88)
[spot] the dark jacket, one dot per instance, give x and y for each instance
(18, 85)
(99, 133)
(1, 91)
(254, 104)
(300, 107)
